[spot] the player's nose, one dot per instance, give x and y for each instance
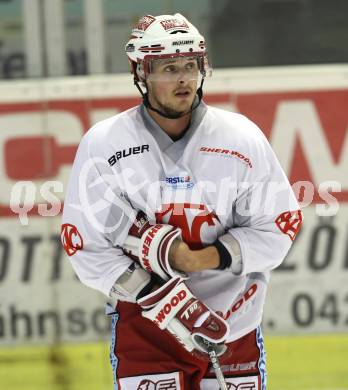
(183, 79)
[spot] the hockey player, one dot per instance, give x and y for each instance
(178, 211)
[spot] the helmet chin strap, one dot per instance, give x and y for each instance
(148, 105)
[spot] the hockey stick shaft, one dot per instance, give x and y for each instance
(217, 368)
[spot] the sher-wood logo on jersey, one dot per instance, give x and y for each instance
(227, 153)
(127, 152)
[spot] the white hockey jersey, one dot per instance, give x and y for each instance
(220, 177)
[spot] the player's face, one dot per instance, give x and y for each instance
(172, 84)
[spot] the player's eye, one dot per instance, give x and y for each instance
(190, 66)
(170, 69)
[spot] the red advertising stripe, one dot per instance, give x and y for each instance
(31, 158)
(34, 157)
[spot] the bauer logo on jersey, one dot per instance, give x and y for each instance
(127, 152)
(182, 181)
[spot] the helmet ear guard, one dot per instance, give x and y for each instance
(137, 71)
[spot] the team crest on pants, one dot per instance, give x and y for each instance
(171, 381)
(167, 384)
(241, 383)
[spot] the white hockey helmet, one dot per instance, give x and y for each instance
(164, 36)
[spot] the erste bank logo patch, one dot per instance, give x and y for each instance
(180, 181)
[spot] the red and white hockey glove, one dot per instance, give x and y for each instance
(173, 307)
(150, 244)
